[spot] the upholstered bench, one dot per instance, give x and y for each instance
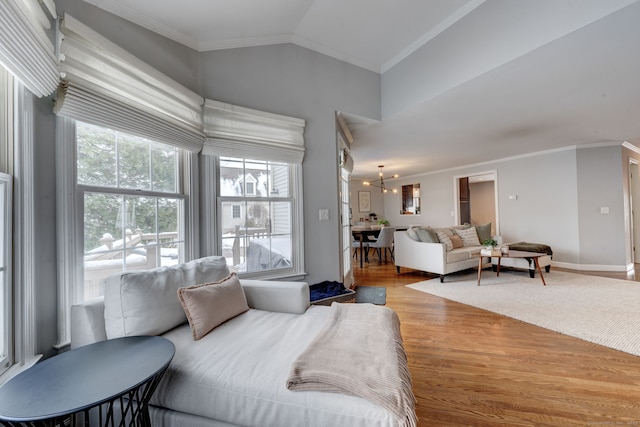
(526, 263)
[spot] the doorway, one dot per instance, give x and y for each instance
(476, 200)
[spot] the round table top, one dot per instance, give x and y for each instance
(84, 377)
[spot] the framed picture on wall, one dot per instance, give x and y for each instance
(364, 201)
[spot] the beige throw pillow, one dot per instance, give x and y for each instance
(469, 236)
(456, 241)
(212, 304)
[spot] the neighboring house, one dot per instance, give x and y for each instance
(560, 193)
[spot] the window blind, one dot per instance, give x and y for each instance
(241, 132)
(105, 85)
(25, 49)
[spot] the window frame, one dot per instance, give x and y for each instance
(212, 221)
(6, 273)
(70, 211)
(18, 154)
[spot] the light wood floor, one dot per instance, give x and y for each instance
(471, 367)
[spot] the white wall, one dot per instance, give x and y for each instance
(377, 201)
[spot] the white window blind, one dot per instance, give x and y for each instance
(246, 133)
(105, 85)
(25, 49)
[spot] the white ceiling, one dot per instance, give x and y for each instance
(545, 75)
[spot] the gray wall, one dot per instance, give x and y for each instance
(600, 178)
(291, 80)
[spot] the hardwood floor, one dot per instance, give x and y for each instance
(472, 367)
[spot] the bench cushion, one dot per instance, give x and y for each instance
(531, 247)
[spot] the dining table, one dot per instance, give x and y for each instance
(364, 235)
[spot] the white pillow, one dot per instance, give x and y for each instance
(469, 236)
(146, 302)
(212, 304)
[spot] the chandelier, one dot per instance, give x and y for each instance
(380, 182)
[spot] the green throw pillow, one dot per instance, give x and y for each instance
(484, 232)
(426, 234)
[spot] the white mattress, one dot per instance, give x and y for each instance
(237, 374)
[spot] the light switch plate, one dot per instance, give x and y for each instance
(324, 215)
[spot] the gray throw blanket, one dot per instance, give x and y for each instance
(359, 352)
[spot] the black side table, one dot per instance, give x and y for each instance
(110, 381)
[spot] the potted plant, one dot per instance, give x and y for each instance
(383, 222)
(490, 243)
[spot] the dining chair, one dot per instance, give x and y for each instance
(355, 244)
(384, 243)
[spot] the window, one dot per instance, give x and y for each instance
(252, 159)
(132, 207)
(256, 225)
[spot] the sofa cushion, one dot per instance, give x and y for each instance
(469, 236)
(146, 302)
(484, 232)
(426, 234)
(444, 238)
(211, 304)
(457, 255)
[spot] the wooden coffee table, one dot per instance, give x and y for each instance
(514, 254)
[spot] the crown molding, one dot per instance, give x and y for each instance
(131, 15)
(245, 42)
(631, 147)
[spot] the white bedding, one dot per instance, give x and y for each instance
(240, 377)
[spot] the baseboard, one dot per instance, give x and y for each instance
(592, 267)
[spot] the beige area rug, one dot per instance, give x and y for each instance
(596, 309)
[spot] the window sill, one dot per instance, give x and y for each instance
(18, 368)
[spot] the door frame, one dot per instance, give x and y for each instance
(456, 195)
(634, 206)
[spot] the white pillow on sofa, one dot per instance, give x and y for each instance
(469, 236)
(146, 302)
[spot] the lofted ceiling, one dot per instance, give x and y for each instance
(502, 78)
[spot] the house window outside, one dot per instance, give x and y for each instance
(250, 188)
(256, 225)
(132, 206)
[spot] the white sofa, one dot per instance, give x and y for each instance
(236, 374)
(432, 257)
